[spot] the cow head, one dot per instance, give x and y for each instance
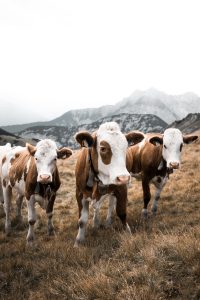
(46, 155)
(172, 142)
(108, 146)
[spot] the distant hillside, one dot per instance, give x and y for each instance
(189, 124)
(7, 137)
(65, 135)
(167, 107)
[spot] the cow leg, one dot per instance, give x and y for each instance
(7, 194)
(96, 206)
(146, 196)
(121, 204)
(159, 187)
(111, 206)
(49, 212)
(19, 201)
(31, 219)
(1, 194)
(82, 221)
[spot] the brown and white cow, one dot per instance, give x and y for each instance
(101, 170)
(3, 151)
(33, 173)
(152, 161)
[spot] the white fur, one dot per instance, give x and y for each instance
(172, 139)
(46, 154)
(110, 132)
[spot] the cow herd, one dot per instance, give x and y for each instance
(107, 160)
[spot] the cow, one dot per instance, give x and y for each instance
(152, 161)
(3, 150)
(101, 170)
(33, 173)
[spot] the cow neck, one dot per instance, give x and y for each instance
(93, 180)
(163, 165)
(92, 170)
(44, 190)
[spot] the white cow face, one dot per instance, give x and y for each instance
(108, 149)
(172, 141)
(111, 149)
(46, 155)
(172, 147)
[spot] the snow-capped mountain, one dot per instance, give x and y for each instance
(167, 107)
(64, 136)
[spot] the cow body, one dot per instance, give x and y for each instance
(33, 173)
(154, 159)
(101, 170)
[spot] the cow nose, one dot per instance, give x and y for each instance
(44, 178)
(174, 165)
(123, 179)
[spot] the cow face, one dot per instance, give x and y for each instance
(46, 155)
(109, 147)
(172, 142)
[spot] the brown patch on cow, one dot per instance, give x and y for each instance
(4, 182)
(105, 152)
(17, 167)
(3, 160)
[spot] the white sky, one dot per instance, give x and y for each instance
(61, 55)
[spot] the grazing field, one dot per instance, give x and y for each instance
(160, 260)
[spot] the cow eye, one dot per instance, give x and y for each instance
(103, 149)
(165, 146)
(181, 146)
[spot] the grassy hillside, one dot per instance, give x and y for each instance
(160, 260)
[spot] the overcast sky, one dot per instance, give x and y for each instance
(61, 55)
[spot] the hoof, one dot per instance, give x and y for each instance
(78, 243)
(7, 231)
(154, 210)
(51, 231)
(144, 213)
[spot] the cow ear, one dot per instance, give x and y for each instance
(156, 140)
(134, 137)
(32, 149)
(85, 139)
(64, 153)
(188, 139)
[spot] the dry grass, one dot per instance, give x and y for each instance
(160, 260)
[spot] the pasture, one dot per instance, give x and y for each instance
(160, 260)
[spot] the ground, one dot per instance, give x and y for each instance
(160, 260)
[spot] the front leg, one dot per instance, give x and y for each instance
(159, 184)
(121, 195)
(31, 218)
(19, 201)
(146, 195)
(84, 205)
(7, 194)
(111, 206)
(97, 206)
(49, 212)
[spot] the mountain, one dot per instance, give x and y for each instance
(14, 140)
(189, 124)
(167, 107)
(64, 136)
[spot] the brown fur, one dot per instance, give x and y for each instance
(145, 161)
(105, 152)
